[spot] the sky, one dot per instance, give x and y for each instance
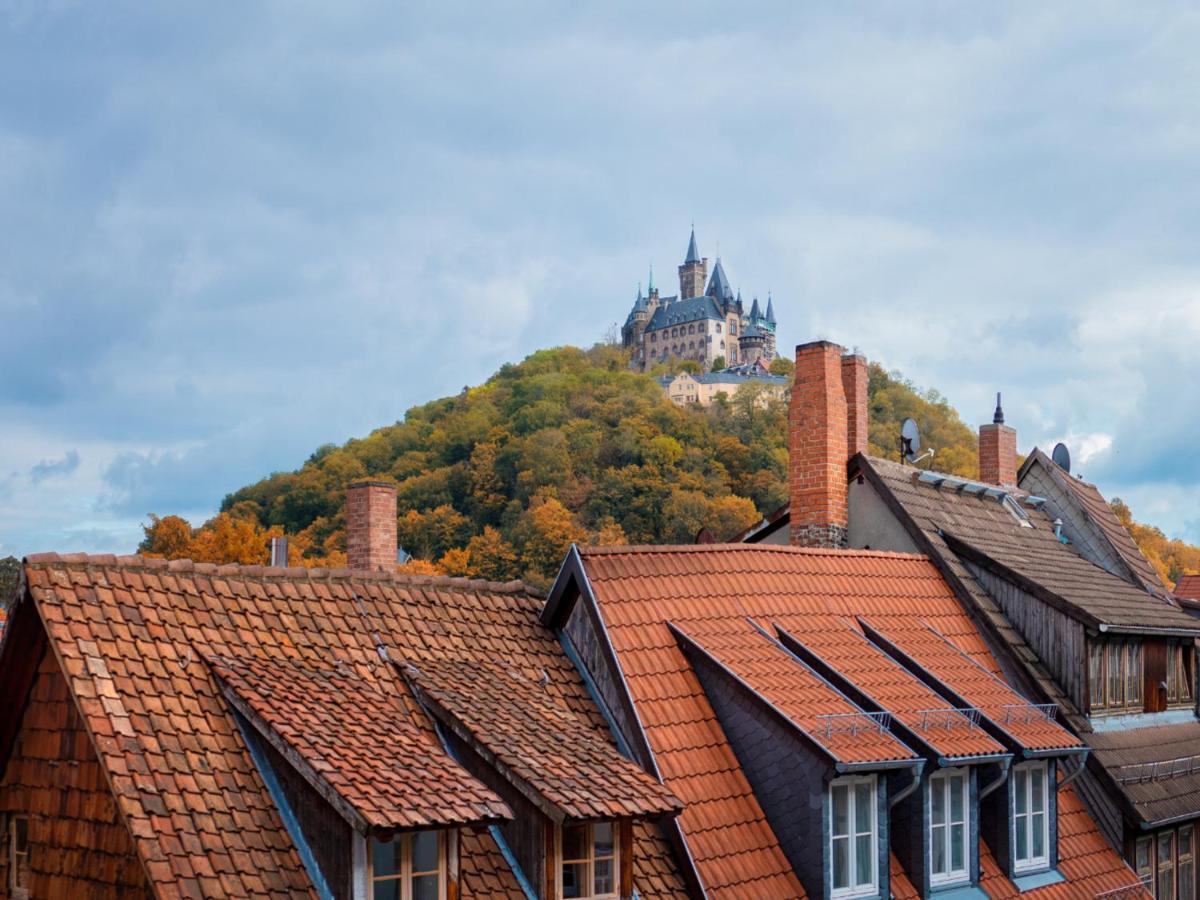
(230, 233)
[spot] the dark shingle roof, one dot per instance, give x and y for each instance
(693, 309)
(718, 284)
(1130, 758)
(693, 255)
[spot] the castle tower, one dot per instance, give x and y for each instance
(693, 273)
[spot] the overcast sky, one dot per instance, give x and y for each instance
(230, 234)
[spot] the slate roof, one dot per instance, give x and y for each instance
(558, 758)
(1096, 508)
(356, 738)
(133, 635)
(1140, 763)
(692, 309)
(640, 592)
(693, 255)
(718, 283)
(770, 310)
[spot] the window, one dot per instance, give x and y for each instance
(948, 832)
(1115, 675)
(18, 855)
(1031, 831)
(1186, 865)
(718, 327)
(852, 836)
(589, 861)
(1166, 866)
(1166, 863)
(1180, 658)
(411, 866)
(1144, 862)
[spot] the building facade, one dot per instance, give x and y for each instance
(704, 322)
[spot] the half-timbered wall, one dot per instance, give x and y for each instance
(78, 845)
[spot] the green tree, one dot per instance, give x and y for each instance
(718, 364)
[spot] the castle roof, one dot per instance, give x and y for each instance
(755, 312)
(693, 309)
(693, 255)
(770, 310)
(718, 284)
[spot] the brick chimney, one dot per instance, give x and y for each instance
(854, 384)
(998, 451)
(818, 445)
(371, 526)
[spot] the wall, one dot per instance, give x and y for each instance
(872, 524)
(79, 846)
(1058, 640)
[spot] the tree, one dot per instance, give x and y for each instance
(225, 539)
(10, 577)
(546, 530)
(718, 364)
(167, 538)
(781, 365)
(729, 516)
(491, 556)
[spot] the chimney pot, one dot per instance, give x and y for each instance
(371, 526)
(998, 451)
(279, 552)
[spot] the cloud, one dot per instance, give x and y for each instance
(53, 468)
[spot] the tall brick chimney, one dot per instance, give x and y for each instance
(998, 451)
(819, 445)
(854, 384)
(371, 526)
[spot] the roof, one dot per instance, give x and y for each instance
(1187, 587)
(738, 378)
(718, 284)
(509, 718)
(693, 255)
(707, 592)
(1157, 769)
(754, 310)
(1101, 514)
(692, 309)
(133, 636)
(770, 310)
(366, 750)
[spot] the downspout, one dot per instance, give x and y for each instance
(918, 768)
(1083, 758)
(1005, 768)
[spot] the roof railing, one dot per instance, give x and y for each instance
(1029, 712)
(852, 723)
(1161, 770)
(1129, 891)
(948, 717)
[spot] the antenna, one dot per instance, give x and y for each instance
(1062, 457)
(910, 440)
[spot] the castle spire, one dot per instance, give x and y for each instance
(693, 255)
(650, 283)
(770, 309)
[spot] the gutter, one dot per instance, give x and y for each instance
(1005, 769)
(918, 769)
(1083, 758)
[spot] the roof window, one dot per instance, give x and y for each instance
(588, 861)
(1018, 511)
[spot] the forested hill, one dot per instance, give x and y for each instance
(568, 445)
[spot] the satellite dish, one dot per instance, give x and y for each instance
(1062, 456)
(910, 440)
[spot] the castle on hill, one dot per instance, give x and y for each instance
(700, 323)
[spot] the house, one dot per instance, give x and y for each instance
(1076, 617)
(187, 730)
(686, 388)
(1187, 593)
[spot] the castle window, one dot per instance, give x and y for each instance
(653, 337)
(853, 836)
(1031, 823)
(411, 866)
(18, 855)
(718, 327)
(691, 329)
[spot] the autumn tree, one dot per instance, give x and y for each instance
(169, 537)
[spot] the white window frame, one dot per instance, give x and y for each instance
(615, 893)
(1032, 863)
(941, 781)
(405, 875)
(855, 890)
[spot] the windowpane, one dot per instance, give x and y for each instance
(425, 887)
(386, 859)
(425, 851)
(603, 876)
(841, 809)
(864, 860)
(1133, 676)
(1037, 779)
(1022, 838)
(938, 806)
(958, 843)
(1143, 861)
(1187, 880)
(1114, 674)
(1037, 828)
(1021, 785)
(862, 807)
(938, 846)
(20, 835)
(1096, 673)
(602, 837)
(958, 784)
(841, 862)
(574, 842)
(574, 879)
(388, 889)
(1166, 866)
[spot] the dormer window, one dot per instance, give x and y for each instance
(1031, 822)
(411, 866)
(1180, 672)
(853, 837)
(1115, 675)
(949, 853)
(589, 855)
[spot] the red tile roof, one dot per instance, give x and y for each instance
(132, 633)
(558, 758)
(982, 689)
(891, 687)
(639, 590)
(357, 742)
(826, 717)
(1188, 586)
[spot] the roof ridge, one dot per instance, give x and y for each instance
(291, 573)
(750, 548)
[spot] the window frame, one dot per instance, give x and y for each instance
(1129, 680)
(1180, 868)
(951, 876)
(590, 862)
(850, 782)
(14, 870)
(1031, 863)
(1181, 672)
(405, 876)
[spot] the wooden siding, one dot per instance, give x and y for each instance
(78, 845)
(1059, 641)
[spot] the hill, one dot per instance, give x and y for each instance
(568, 445)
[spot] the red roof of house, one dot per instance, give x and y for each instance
(701, 590)
(133, 636)
(1188, 587)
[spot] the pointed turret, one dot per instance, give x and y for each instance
(650, 283)
(693, 255)
(718, 285)
(693, 272)
(755, 313)
(770, 311)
